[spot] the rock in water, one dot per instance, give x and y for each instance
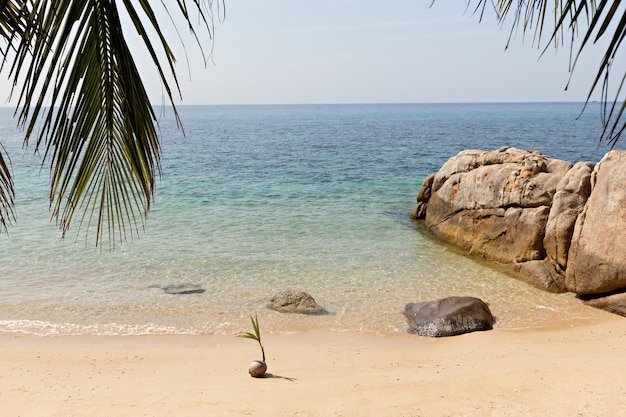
(295, 302)
(184, 289)
(555, 225)
(257, 369)
(448, 317)
(516, 208)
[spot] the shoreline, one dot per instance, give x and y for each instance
(515, 306)
(575, 369)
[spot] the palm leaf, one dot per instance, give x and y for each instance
(12, 26)
(82, 92)
(256, 335)
(255, 326)
(248, 335)
(602, 19)
(12, 23)
(7, 192)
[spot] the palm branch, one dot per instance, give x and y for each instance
(80, 89)
(565, 21)
(12, 26)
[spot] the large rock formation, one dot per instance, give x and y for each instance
(496, 205)
(553, 224)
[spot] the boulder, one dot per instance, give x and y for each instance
(597, 256)
(295, 302)
(513, 207)
(494, 204)
(448, 316)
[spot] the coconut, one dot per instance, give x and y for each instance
(257, 369)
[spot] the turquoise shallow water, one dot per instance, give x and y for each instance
(257, 199)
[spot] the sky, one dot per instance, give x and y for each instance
(366, 51)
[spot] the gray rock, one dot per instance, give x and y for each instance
(448, 316)
(177, 289)
(295, 302)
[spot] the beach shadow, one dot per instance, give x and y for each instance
(272, 376)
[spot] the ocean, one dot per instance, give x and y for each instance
(258, 199)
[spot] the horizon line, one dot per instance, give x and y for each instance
(348, 103)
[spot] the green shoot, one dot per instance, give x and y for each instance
(256, 335)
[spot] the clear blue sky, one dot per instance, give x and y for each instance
(357, 51)
(366, 51)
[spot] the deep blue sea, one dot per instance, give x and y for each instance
(258, 199)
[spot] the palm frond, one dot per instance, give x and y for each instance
(12, 26)
(7, 192)
(255, 326)
(12, 22)
(248, 335)
(595, 20)
(256, 335)
(83, 93)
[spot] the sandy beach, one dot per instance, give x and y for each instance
(574, 370)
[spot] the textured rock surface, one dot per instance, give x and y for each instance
(543, 274)
(295, 302)
(571, 194)
(502, 196)
(558, 226)
(498, 205)
(419, 211)
(597, 256)
(448, 317)
(614, 303)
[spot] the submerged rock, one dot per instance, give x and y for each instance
(295, 302)
(177, 289)
(448, 316)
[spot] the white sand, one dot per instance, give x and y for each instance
(571, 371)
